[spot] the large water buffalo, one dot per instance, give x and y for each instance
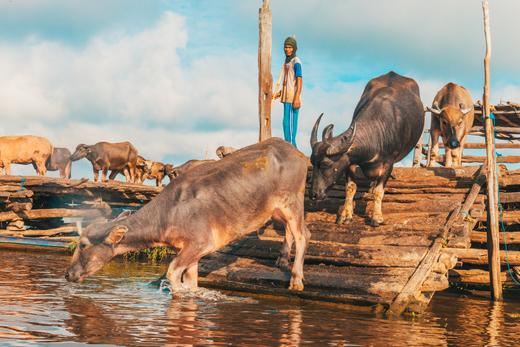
(25, 149)
(60, 160)
(452, 118)
(109, 156)
(386, 125)
(217, 203)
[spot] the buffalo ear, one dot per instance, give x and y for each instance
(116, 234)
(342, 142)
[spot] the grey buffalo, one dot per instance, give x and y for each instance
(104, 156)
(386, 125)
(60, 161)
(217, 203)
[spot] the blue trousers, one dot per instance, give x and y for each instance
(290, 123)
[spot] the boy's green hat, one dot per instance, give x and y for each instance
(291, 41)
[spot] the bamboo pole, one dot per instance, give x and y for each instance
(265, 79)
(492, 190)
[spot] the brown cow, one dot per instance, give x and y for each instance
(452, 118)
(157, 171)
(60, 160)
(223, 151)
(217, 203)
(109, 156)
(25, 149)
(142, 166)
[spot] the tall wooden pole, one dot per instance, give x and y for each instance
(265, 79)
(493, 241)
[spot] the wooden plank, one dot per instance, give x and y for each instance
(476, 277)
(508, 159)
(424, 269)
(67, 229)
(265, 78)
(50, 213)
(480, 145)
(508, 217)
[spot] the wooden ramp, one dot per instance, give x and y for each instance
(397, 266)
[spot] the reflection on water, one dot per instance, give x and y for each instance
(117, 307)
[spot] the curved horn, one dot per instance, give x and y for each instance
(342, 142)
(434, 109)
(314, 134)
(327, 133)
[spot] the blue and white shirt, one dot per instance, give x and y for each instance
(289, 74)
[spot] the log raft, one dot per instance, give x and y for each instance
(433, 236)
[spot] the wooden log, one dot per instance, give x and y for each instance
(435, 283)
(332, 253)
(424, 269)
(508, 217)
(18, 207)
(509, 197)
(508, 130)
(381, 283)
(7, 195)
(265, 79)
(50, 213)
(510, 159)
(509, 237)
(67, 229)
(480, 145)
(479, 256)
(476, 277)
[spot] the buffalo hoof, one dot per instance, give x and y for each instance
(296, 285)
(375, 222)
(282, 263)
(343, 220)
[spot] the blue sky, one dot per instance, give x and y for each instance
(178, 78)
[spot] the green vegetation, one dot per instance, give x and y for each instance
(154, 255)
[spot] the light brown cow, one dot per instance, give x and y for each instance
(157, 171)
(25, 149)
(452, 118)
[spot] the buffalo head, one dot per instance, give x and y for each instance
(452, 122)
(98, 244)
(329, 157)
(81, 152)
(169, 171)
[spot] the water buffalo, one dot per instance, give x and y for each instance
(452, 118)
(60, 160)
(142, 167)
(157, 171)
(25, 149)
(223, 151)
(217, 203)
(387, 123)
(109, 156)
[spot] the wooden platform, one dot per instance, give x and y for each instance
(428, 233)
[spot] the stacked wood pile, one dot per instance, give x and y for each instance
(35, 206)
(473, 269)
(357, 263)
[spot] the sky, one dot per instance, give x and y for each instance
(178, 78)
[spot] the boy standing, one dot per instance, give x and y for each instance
(289, 94)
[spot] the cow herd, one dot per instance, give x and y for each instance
(118, 158)
(220, 201)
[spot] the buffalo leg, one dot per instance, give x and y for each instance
(186, 260)
(346, 211)
(285, 254)
(7, 168)
(96, 174)
(104, 173)
(113, 174)
(379, 192)
(448, 153)
(126, 172)
(434, 135)
(40, 167)
(190, 278)
(67, 170)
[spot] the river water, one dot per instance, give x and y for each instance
(118, 307)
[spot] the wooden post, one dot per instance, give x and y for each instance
(265, 79)
(493, 241)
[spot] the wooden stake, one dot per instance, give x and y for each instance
(265, 79)
(492, 189)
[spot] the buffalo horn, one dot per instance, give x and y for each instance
(327, 133)
(314, 134)
(342, 143)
